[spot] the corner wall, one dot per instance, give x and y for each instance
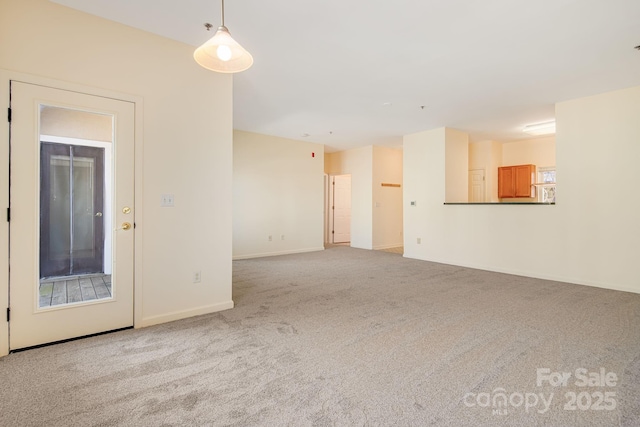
(456, 166)
(358, 163)
(589, 237)
(387, 201)
(599, 203)
(424, 192)
(278, 191)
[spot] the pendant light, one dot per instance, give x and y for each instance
(221, 53)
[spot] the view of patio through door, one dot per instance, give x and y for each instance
(74, 206)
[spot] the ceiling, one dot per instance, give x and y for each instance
(350, 73)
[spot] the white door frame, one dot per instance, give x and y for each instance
(5, 78)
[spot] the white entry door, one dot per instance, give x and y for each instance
(341, 208)
(476, 186)
(71, 224)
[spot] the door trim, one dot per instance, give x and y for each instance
(6, 77)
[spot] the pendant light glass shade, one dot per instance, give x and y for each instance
(222, 53)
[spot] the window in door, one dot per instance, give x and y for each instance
(75, 246)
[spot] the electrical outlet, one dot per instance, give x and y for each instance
(197, 276)
(270, 237)
(282, 237)
(419, 240)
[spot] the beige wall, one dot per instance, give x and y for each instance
(424, 192)
(358, 163)
(68, 123)
(589, 237)
(456, 166)
(538, 151)
(184, 146)
(597, 159)
(387, 201)
(278, 190)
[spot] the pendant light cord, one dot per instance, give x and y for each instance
(223, 13)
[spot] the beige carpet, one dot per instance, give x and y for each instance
(348, 337)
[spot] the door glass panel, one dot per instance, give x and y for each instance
(75, 198)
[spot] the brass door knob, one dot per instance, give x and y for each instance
(125, 226)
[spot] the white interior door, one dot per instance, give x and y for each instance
(476, 186)
(341, 208)
(71, 205)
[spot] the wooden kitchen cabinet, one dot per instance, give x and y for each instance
(516, 181)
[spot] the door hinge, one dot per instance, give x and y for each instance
(8, 314)
(332, 232)
(9, 114)
(8, 214)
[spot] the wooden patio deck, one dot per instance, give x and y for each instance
(64, 290)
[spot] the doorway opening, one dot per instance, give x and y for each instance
(340, 210)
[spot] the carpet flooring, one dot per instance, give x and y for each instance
(349, 337)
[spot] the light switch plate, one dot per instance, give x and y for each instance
(166, 201)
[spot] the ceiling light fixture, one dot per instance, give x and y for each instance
(541, 128)
(221, 53)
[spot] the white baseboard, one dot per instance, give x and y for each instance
(177, 315)
(380, 247)
(532, 274)
(266, 254)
